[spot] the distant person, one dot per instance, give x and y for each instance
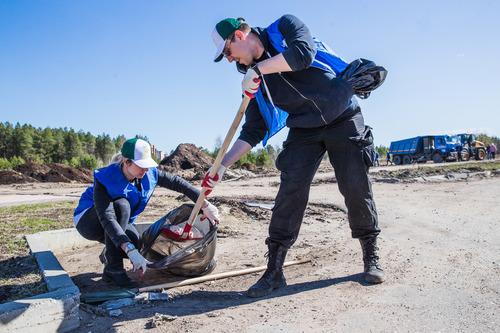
(388, 158)
(493, 151)
(107, 210)
(377, 163)
(323, 116)
(458, 148)
(488, 152)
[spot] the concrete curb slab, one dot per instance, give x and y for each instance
(57, 310)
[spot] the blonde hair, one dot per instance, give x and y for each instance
(117, 158)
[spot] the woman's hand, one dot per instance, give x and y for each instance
(211, 213)
(138, 261)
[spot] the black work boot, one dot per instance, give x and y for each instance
(273, 277)
(114, 272)
(373, 272)
(119, 278)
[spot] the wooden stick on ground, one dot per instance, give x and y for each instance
(215, 276)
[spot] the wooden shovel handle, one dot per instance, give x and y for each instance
(216, 165)
(213, 277)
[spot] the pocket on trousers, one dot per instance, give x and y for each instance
(369, 155)
(280, 160)
(365, 141)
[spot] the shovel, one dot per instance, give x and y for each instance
(215, 167)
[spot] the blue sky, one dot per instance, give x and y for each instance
(145, 67)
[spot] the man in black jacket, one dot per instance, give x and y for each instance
(323, 116)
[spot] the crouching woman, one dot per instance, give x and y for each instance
(107, 210)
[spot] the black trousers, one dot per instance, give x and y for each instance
(350, 148)
(90, 228)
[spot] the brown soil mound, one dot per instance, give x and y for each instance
(54, 172)
(72, 174)
(187, 161)
(33, 169)
(249, 167)
(14, 177)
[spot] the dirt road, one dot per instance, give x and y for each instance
(439, 246)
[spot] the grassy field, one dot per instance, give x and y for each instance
(443, 168)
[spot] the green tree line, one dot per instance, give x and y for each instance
(84, 150)
(58, 145)
(258, 157)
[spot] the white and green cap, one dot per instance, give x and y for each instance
(139, 151)
(222, 31)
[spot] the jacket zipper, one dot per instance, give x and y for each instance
(307, 99)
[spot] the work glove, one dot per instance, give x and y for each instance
(211, 213)
(250, 83)
(210, 183)
(138, 261)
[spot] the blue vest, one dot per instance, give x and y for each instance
(325, 59)
(118, 186)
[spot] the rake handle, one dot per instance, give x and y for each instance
(214, 277)
(217, 163)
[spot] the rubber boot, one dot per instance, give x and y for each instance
(373, 272)
(114, 272)
(273, 277)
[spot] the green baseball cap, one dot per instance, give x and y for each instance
(139, 151)
(222, 31)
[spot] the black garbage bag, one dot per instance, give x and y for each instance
(192, 257)
(364, 76)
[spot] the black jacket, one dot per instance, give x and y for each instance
(311, 96)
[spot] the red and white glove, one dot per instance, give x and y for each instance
(210, 183)
(211, 213)
(251, 82)
(138, 260)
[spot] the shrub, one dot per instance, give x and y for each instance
(88, 161)
(74, 163)
(15, 161)
(4, 164)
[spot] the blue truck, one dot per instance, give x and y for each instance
(420, 149)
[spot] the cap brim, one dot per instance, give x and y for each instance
(146, 163)
(218, 55)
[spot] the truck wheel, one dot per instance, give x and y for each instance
(464, 155)
(406, 159)
(480, 154)
(397, 160)
(437, 158)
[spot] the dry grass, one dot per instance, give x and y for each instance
(19, 273)
(20, 276)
